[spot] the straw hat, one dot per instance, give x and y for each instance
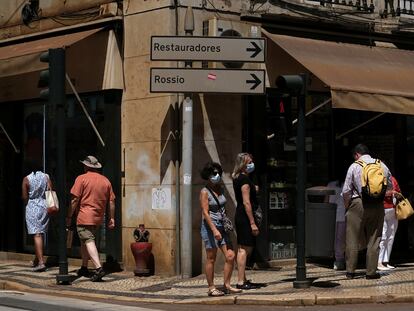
(91, 161)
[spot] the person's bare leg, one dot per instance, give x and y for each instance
(242, 254)
(228, 265)
(93, 253)
(209, 266)
(38, 244)
(85, 255)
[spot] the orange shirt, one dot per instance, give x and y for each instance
(94, 192)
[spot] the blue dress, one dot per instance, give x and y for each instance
(37, 219)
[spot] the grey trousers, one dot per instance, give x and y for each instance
(363, 223)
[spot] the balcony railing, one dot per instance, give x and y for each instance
(360, 5)
(405, 7)
(391, 7)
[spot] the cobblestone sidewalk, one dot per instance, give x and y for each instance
(328, 286)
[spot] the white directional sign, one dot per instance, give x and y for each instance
(194, 80)
(223, 49)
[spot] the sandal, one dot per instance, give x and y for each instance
(215, 292)
(231, 290)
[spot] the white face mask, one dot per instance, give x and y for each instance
(249, 167)
(215, 179)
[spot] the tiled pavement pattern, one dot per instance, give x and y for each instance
(328, 287)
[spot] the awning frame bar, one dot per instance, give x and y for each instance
(314, 109)
(85, 111)
(359, 126)
(9, 139)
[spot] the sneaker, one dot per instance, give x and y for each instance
(381, 267)
(39, 268)
(98, 275)
(350, 275)
(83, 271)
(339, 265)
(246, 286)
(390, 267)
(256, 284)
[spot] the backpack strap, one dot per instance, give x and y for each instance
(360, 162)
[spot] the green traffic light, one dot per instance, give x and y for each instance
(44, 94)
(44, 78)
(52, 79)
(44, 57)
(292, 83)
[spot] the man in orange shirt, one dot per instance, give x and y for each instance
(91, 194)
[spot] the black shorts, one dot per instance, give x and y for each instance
(243, 229)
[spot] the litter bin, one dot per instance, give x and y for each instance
(320, 223)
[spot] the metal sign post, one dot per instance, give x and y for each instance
(190, 80)
(187, 163)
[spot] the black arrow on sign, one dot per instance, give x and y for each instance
(256, 49)
(256, 81)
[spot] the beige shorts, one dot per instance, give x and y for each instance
(86, 233)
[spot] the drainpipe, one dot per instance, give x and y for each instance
(187, 247)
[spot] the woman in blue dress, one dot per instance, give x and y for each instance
(34, 186)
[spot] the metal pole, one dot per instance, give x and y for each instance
(301, 281)
(58, 96)
(186, 241)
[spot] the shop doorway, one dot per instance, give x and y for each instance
(11, 207)
(32, 127)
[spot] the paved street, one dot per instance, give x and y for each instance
(329, 287)
(26, 301)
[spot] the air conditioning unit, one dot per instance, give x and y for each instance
(228, 28)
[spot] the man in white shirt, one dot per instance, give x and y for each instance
(364, 218)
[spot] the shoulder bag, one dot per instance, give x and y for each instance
(52, 202)
(258, 216)
(227, 224)
(403, 208)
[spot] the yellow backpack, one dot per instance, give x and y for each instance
(373, 181)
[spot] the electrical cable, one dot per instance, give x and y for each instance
(253, 3)
(11, 15)
(216, 11)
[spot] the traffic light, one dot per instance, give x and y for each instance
(292, 83)
(53, 78)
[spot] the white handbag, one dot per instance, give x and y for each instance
(52, 202)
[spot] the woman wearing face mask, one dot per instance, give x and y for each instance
(246, 227)
(212, 203)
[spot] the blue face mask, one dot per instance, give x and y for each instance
(249, 167)
(215, 179)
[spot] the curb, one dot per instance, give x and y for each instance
(306, 300)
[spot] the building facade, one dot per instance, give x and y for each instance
(138, 133)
